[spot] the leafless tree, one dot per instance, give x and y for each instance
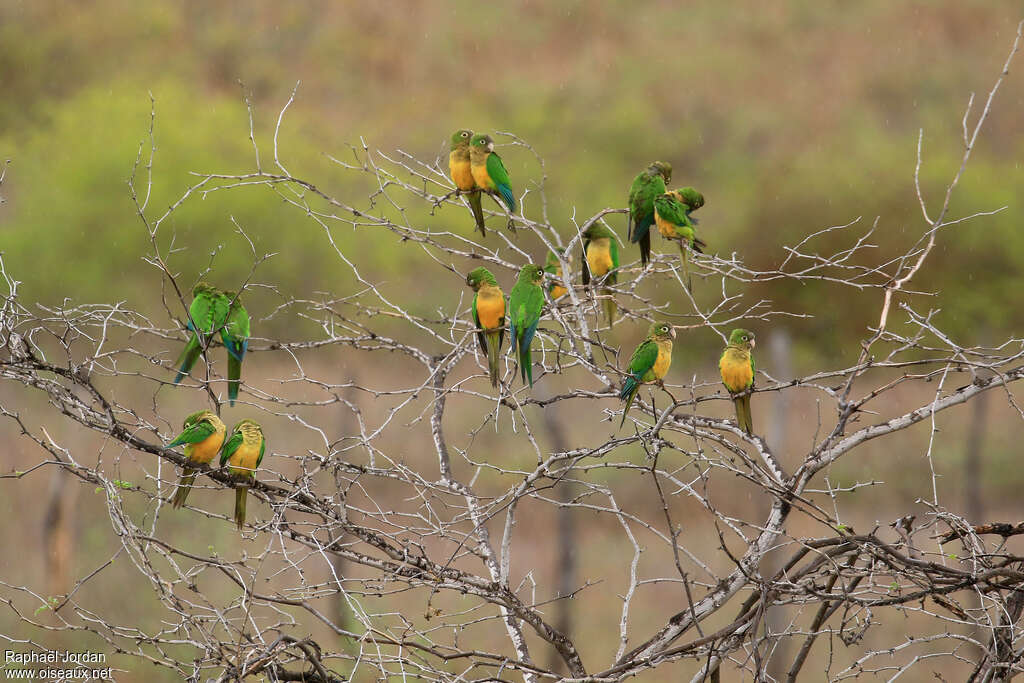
(437, 583)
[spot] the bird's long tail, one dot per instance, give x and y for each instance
(234, 376)
(610, 308)
(493, 342)
(189, 356)
(743, 413)
(628, 393)
(526, 363)
(240, 495)
(476, 205)
(188, 476)
(645, 247)
(685, 261)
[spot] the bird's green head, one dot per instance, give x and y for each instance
(234, 297)
(482, 142)
(742, 338)
(598, 230)
(242, 425)
(552, 260)
(204, 288)
(691, 197)
(197, 417)
(532, 274)
(461, 138)
(662, 168)
(661, 330)
(479, 276)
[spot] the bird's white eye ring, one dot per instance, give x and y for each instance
(465, 134)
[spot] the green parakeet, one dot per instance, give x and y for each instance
(672, 216)
(243, 453)
(489, 172)
(737, 368)
(462, 175)
(552, 267)
(235, 335)
(203, 435)
(601, 259)
(524, 306)
(646, 187)
(207, 314)
(650, 362)
(488, 316)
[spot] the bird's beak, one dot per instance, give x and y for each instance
(490, 146)
(753, 343)
(672, 331)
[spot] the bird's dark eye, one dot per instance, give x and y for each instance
(465, 135)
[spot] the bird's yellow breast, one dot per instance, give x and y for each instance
(205, 451)
(490, 307)
(666, 228)
(737, 374)
(480, 174)
(461, 171)
(599, 256)
(243, 460)
(664, 361)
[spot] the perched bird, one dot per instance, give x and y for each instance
(524, 305)
(488, 171)
(737, 368)
(235, 335)
(243, 453)
(552, 266)
(206, 315)
(649, 363)
(672, 216)
(462, 175)
(646, 187)
(601, 259)
(488, 316)
(203, 435)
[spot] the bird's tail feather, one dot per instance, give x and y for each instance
(610, 307)
(188, 476)
(493, 341)
(240, 496)
(645, 247)
(476, 205)
(189, 356)
(234, 375)
(632, 387)
(526, 364)
(743, 413)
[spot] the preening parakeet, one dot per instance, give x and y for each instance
(488, 316)
(203, 435)
(555, 288)
(646, 187)
(235, 335)
(462, 175)
(737, 368)
(524, 306)
(243, 453)
(672, 216)
(650, 362)
(600, 258)
(488, 171)
(207, 314)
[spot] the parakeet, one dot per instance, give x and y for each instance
(488, 171)
(672, 216)
(650, 362)
(601, 257)
(646, 187)
(524, 306)
(243, 453)
(554, 268)
(462, 175)
(207, 314)
(737, 368)
(203, 435)
(488, 316)
(235, 335)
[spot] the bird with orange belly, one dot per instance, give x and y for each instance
(488, 316)
(461, 171)
(737, 368)
(203, 435)
(243, 453)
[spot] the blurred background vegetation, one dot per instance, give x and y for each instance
(790, 118)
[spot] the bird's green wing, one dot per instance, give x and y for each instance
(585, 264)
(229, 447)
(496, 170)
(263, 449)
(479, 335)
(201, 313)
(613, 247)
(643, 359)
(672, 210)
(198, 432)
(534, 304)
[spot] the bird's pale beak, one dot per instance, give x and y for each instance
(672, 331)
(753, 343)
(490, 146)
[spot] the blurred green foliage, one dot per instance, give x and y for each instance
(795, 117)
